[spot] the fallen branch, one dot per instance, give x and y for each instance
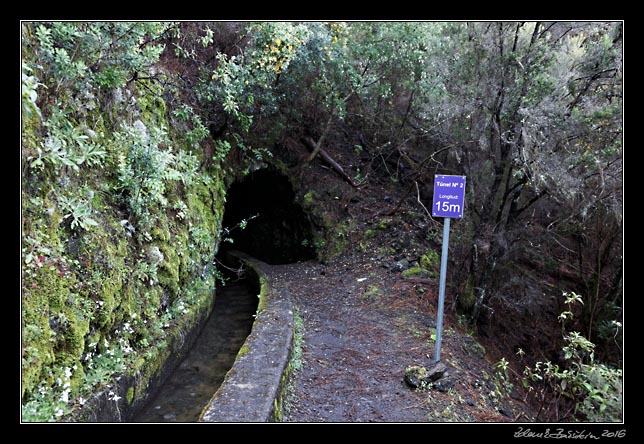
(317, 146)
(317, 149)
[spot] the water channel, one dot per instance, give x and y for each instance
(187, 391)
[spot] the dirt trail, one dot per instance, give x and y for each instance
(361, 326)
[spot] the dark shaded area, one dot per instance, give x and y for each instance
(279, 233)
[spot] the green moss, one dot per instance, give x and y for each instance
(373, 290)
(129, 395)
(99, 290)
(152, 107)
(370, 233)
(30, 134)
(384, 224)
(161, 231)
(73, 338)
(110, 289)
(277, 410)
(472, 346)
(337, 239)
(416, 272)
(310, 198)
(430, 260)
(263, 294)
(42, 301)
(169, 272)
(243, 351)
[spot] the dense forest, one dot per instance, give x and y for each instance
(132, 132)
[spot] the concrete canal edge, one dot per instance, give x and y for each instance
(251, 391)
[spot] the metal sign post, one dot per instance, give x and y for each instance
(449, 200)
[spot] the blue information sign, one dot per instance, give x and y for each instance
(449, 196)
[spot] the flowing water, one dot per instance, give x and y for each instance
(187, 391)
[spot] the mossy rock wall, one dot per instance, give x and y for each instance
(117, 270)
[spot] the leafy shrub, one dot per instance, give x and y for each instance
(583, 389)
(144, 170)
(79, 211)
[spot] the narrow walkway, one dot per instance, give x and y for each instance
(190, 387)
(354, 351)
(361, 326)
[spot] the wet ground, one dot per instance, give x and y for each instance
(197, 378)
(361, 326)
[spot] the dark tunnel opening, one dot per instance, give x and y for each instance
(262, 219)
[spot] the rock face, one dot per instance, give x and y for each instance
(417, 376)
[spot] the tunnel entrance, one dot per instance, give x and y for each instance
(262, 219)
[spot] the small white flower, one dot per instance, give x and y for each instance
(82, 400)
(58, 412)
(68, 372)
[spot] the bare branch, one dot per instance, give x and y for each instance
(419, 201)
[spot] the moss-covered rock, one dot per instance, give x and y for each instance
(416, 272)
(430, 260)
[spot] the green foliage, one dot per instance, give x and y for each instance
(594, 390)
(199, 131)
(66, 147)
(230, 87)
(111, 51)
(98, 303)
(502, 385)
(527, 104)
(29, 94)
(79, 212)
(603, 399)
(146, 170)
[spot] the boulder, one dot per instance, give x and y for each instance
(417, 376)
